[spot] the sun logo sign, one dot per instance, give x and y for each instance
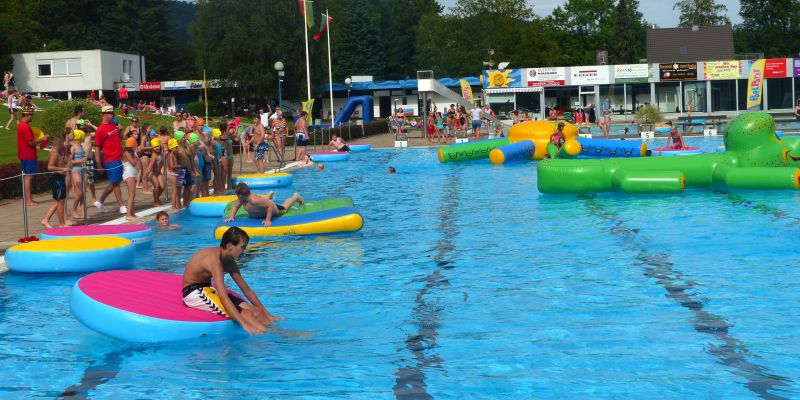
(498, 79)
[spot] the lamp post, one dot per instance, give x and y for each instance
(349, 83)
(489, 63)
(279, 67)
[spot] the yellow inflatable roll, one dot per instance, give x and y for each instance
(540, 132)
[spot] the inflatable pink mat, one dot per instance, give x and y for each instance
(141, 306)
(139, 234)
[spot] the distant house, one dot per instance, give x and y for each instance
(702, 43)
(64, 74)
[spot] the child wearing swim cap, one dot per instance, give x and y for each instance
(78, 158)
(173, 173)
(153, 170)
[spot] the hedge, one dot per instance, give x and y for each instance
(12, 188)
(58, 115)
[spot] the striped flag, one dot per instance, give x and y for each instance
(307, 11)
(325, 27)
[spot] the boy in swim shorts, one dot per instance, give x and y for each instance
(260, 206)
(211, 264)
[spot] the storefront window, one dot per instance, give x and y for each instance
(723, 96)
(502, 104)
(561, 98)
(779, 93)
(667, 97)
(694, 95)
(614, 95)
(530, 102)
(742, 94)
(638, 96)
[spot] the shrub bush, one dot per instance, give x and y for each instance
(12, 188)
(198, 108)
(648, 114)
(55, 117)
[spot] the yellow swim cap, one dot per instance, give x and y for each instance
(171, 144)
(78, 135)
(215, 133)
(155, 143)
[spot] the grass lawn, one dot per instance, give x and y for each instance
(8, 138)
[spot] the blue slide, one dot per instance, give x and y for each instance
(366, 109)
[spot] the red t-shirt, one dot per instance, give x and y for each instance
(25, 151)
(108, 140)
(123, 92)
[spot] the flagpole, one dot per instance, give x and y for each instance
(205, 94)
(305, 31)
(330, 69)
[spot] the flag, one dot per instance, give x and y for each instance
(307, 11)
(755, 85)
(466, 91)
(308, 107)
(324, 28)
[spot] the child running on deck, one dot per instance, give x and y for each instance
(260, 206)
(210, 265)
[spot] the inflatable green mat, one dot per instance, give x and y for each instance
(310, 206)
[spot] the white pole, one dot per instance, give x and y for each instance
(305, 31)
(330, 70)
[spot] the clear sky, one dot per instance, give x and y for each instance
(659, 12)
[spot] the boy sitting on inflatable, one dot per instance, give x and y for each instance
(260, 206)
(212, 263)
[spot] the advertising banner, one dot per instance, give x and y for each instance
(542, 77)
(590, 75)
(716, 70)
(175, 85)
(466, 91)
(797, 67)
(149, 86)
(755, 84)
(631, 73)
(775, 68)
(677, 72)
(506, 78)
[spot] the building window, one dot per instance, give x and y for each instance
(45, 69)
(684, 50)
(59, 67)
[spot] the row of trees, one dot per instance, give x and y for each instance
(239, 40)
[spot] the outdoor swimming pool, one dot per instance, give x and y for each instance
(464, 282)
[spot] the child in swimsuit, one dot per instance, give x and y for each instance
(78, 158)
(211, 264)
(260, 206)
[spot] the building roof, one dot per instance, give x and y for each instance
(690, 44)
(396, 85)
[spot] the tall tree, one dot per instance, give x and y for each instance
(775, 32)
(581, 27)
(517, 9)
(627, 44)
(701, 13)
(399, 32)
(361, 51)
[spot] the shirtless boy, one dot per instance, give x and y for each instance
(260, 206)
(211, 264)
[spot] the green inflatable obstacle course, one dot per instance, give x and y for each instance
(476, 150)
(755, 158)
(310, 206)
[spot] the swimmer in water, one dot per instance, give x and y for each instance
(391, 170)
(260, 206)
(162, 221)
(320, 167)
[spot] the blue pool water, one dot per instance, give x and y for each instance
(464, 283)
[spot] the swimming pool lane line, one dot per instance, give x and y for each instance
(775, 213)
(98, 374)
(410, 380)
(733, 352)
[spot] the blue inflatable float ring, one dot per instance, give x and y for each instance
(262, 181)
(141, 235)
(74, 254)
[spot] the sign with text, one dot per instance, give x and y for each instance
(716, 70)
(174, 85)
(631, 73)
(797, 67)
(589, 75)
(775, 68)
(150, 86)
(541, 77)
(677, 72)
(755, 85)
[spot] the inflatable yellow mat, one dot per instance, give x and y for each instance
(315, 217)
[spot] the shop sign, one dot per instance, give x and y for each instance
(541, 77)
(677, 72)
(590, 75)
(631, 73)
(717, 70)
